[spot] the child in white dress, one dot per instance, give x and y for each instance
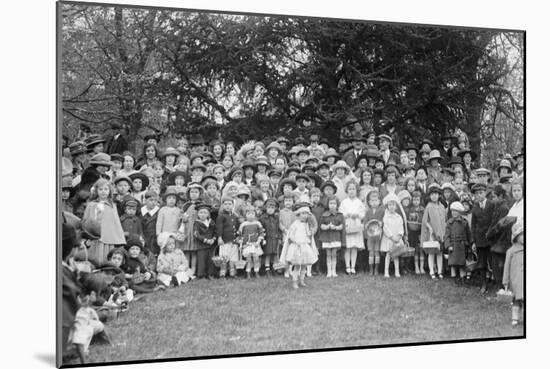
(353, 211)
(393, 231)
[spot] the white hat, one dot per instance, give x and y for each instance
(403, 194)
(390, 197)
(341, 164)
(162, 239)
(457, 206)
(448, 185)
(303, 209)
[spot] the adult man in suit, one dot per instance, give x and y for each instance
(351, 156)
(385, 142)
(117, 143)
(482, 218)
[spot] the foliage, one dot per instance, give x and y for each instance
(184, 71)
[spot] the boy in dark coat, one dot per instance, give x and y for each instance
(149, 222)
(270, 222)
(498, 236)
(204, 231)
(482, 218)
(457, 240)
(227, 225)
(131, 223)
(317, 210)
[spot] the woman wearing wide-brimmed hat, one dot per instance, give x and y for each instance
(468, 159)
(342, 175)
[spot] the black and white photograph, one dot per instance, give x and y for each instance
(234, 183)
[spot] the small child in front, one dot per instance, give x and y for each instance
(299, 249)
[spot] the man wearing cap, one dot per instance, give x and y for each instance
(482, 217)
(385, 143)
(117, 144)
(351, 156)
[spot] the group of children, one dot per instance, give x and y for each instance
(161, 221)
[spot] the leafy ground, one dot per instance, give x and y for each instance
(245, 316)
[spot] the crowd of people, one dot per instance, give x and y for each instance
(137, 224)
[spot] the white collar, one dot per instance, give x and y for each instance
(151, 213)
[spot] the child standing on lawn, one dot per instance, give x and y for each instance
(204, 233)
(393, 232)
(227, 224)
(251, 232)
(457, 240)
(317, 209)
(353, 211)
(299, 248)
(101, 219)
(513, 271)
(270, 222)
(373, 217)
(332, 234)
(433, 228)
(286, 218)
(169, 216)
(415, 213)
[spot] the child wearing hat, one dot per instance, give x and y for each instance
(513, 272)
(372, 223)
(172, 265)
(227, 225)
(204, 232)
(251, 233)
(301, 192)
(433, 228)
(299, 246)
(101, 221)
(212, 196)
(169, 216)
(482, 218)
(393, 231)
(286, 218)
(149, 216)
(270, 223)
(457, 240)
(332, 235)
(141, 277)
(185, 238)
(434, 168)
(130, 221)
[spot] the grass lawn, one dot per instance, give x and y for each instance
(259, 315)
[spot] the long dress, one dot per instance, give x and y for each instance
(350, 207)
(393, 226)
(105, 215)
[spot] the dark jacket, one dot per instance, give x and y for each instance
(117, 146)
(131, 225)
(481, 221)
(227, 225)
(500, 239)
(149, 229)
(202, 232)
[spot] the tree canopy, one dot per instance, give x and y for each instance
(249, 77)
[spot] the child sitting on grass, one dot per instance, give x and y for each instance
(172, 265)
(512, 277)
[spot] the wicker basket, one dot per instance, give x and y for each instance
(241, 263)
(505, 296)
(471, 262)
(374, 228)
(218, 260)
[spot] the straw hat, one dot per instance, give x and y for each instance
(170, 151)
(341, 164)
(101, 159)
(434, 154)
(390, 197)
(457, 206)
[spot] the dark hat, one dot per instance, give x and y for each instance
(274, 172)
(199, 166)
(448, 170)
(142, 176)
(150, 136)
(294, 164)
(324, 140)
(133, 241)
(372, 152)
(292, 169)
(369, 134)
(427, 142)
(302, 176)
(390, 168)
(194, 185)
(504, 163)
(378, 171)
(117, 157)
(289, 181)
(505, 178)
(467, 151)
(283, 139)
(149, 194)
(411, 146)
(321, 165)
(248, 163)
(208, 154)
(202, 205)
(309, 167)
(208, 180)
(196, 139)
(116, 125)
(303, 150)
(122, 177)
(94, 140)
(434, 187)
(272, 201)
(299, 140)
(178, 173)
(479, 187)
(519, 154)
(118, 250)
(70, 239)
(329, 184)
(456, 160)
(129, 201)
(208, 160)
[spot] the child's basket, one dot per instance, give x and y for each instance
(505, 296)
(241, 263)
(374, 228)
(219, 260)
(471, 262)
(278, 265)
(414, 226)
